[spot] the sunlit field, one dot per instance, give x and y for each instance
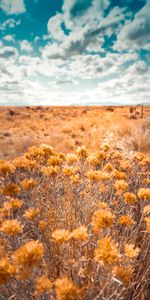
(74, 203)
(66, 128)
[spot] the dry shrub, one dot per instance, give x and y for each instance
(24, 143)
(139, 137)
(130, 137)
(75, 226)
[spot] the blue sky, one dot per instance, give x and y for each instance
(64, 52)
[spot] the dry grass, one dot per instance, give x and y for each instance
(75, 225)
(74, 221)
(69, 127)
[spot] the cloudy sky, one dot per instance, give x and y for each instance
(65, 52)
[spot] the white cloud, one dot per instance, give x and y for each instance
(26, 77)
(9, 38)
(87, 30)
(12, 7)
(26, 46)
(9, 23)
(139, 68)
(135, 34)
(54, 27)
(8, 53)
(66, 72)
(79, 12)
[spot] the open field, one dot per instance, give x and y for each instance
(66, 128)
(75, 217)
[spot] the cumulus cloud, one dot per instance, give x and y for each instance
(9, 38)
(139, 68)
(82, 19)
(135, 33)
(79, 12)
(74, 64)
(12, 7)
(131, 84)
(26, 46)
(9, 24)
(8, 53)
(54, 27)
(88, 37)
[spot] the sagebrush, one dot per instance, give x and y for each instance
(75, 226)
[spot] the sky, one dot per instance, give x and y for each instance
(74, 52)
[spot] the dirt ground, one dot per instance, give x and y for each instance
(65, 128)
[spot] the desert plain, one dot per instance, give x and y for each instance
(65, 128)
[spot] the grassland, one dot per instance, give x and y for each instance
(74, 204)
(67, 127)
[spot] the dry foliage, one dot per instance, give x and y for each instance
(75, 226)
(66, 128)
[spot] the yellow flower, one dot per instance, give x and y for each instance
(93, 175)
(101, 219)
(7, 205)
(119, 175)
(125, 166)
(108, 167)
(49, 171)
(129, 198)
(6, 270)
(146, 209)
(68, 171)
(125, 220)
(31, 213)
(147, 220)
(146, 181)
(65, 289)
(43, 284)
(42, 225)
(107, 252)
(24, 163)
(105, 148)
(75, 178)
(80, 233)
(104, 176)
(130, 251)
(71, 158)
(95, 159)
(101, 155)
(47, 149)
(103, 188)
(145, 162)
(11, 227)
(15, 204)
(60, 236)
(120, 186)
(115, 156)
(102, 205)
(36, 153)
(54, 161)
(139, 156)
(28, 184)
(144, 194)
(6, 167)
(5, 211)
(124, 274)
(10, 189)
(62, 155)
(29, 254)
(82, 152)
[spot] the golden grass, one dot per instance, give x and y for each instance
(65, 128)
(75, 225)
